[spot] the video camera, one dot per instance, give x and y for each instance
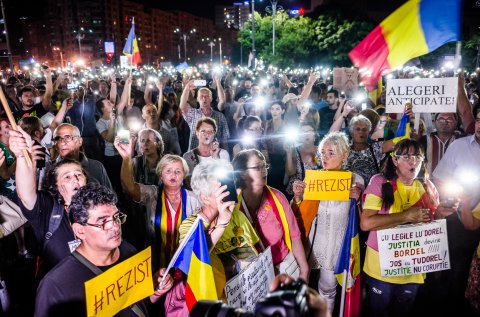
(288, 300)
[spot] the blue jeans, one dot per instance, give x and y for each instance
(387, 299)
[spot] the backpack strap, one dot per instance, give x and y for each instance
(54, 221)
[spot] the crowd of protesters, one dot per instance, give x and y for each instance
(149, 147)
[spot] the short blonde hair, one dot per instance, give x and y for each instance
(338, 139)
(169, 159)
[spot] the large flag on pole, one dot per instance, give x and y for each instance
(131, 46)
(416, 28)
(193, 259)
(348, 266)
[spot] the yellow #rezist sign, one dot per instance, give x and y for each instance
(120, 286)
(326, 185)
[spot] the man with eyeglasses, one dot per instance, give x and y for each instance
(96, 221)
(68, 144)
(192, 114)
(437, 142)
(460, 168)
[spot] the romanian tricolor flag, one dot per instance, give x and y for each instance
(349, 263)
(131, 46)
(416, 28)
(403, 129)
(193, 259)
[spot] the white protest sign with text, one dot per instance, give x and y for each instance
(414, 249)
(251, 284)
(431, 95)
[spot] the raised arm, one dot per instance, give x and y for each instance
(306, 90)
(220, 92)
(67, 104)
(338, 123)
(47, 97)
(25, 176)
(113, 88)
(160, 83)
(464, 107)
(126, 172)
(124, 99)
(184, 106)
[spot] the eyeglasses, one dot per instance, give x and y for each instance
(259, 168)
(410, 157)
(146, 141)
(66, 138)
(207, 132)
(118, 219)
(442, 120)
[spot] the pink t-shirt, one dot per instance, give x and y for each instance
(270, 229)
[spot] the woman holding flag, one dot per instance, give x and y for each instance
(325, 221)
(269, 212)
(395, 196)
(167, 205)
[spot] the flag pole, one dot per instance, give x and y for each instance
(344, 291)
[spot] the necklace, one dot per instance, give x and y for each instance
(173, 200)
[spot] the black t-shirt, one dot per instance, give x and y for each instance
(37, 110)
(39, 217)
(326, 120)
(62, 290)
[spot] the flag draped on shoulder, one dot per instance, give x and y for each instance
(347, 268)
(193, 260)
(416, 28)
(131, 46)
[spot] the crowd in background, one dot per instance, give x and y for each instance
(158, 141)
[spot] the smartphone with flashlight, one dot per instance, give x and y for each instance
(200, 82)
(229, 181)
(123, 136)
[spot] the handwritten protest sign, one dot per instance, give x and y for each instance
(413, 249)
(120, 286)
(345, 79)
(425, 94)
(251, 284)
(326, 185)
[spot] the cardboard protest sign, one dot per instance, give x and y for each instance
(120, 286)
(431, 95)
(345, 79)
(413, 249)
(251, 284)
(327, 185)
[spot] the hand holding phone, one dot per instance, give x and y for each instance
(123, 136)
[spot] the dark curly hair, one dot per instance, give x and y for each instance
(49, 183)
(87, 197)
(389, 169)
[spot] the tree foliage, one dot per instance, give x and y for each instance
(302, 41)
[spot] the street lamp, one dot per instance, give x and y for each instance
(273, 10)
(57, 49)
(80, 35)
(253, 33)
(184, 36)
(10, 60)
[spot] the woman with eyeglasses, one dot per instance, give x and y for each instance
(47, 210)
(269, 212)
(324, 222)
(208, 146)
(166, 205)
(395, 196)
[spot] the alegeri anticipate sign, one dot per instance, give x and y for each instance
(413, 249)
(431, 95)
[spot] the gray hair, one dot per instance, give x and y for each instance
(338, 139)
(158, 136)
(169, 159)
(207, 172)
(76, 131)
(359, 118)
